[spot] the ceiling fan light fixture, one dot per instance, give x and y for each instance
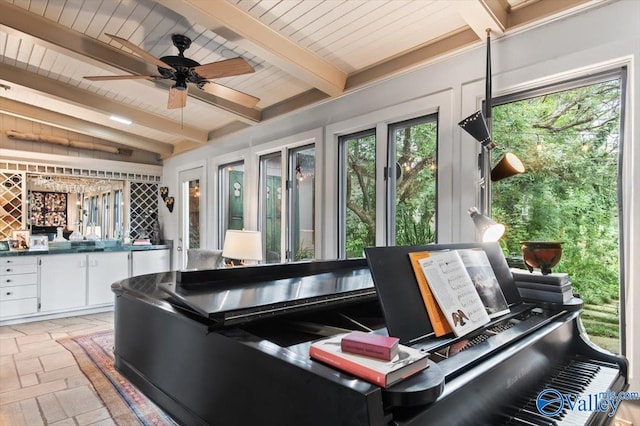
(184, 70)
(181, 84)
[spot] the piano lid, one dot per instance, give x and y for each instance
(270, 290)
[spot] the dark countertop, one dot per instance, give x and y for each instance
(87, 247)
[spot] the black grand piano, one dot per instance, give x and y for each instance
(230, 347)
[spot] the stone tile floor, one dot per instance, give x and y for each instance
(41, 384)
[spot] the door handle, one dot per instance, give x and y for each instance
(179, 248)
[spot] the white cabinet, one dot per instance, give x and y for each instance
(18, 285)
(103, 270)
(63, 283)
(57, 284)
(150, 262)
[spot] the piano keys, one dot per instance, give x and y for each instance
(230, 347)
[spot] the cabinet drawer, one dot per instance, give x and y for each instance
(18, 260)
(18, 269)
(11, 308)
(18, 279)
(20, 292)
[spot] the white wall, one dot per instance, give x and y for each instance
(601, 38)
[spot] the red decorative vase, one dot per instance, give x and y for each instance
(541, 254)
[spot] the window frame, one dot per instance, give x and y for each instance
(390, 174)
(620, 72)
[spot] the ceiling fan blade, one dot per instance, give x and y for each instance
(177, 98)
(120, 77)
(142, 53)
(226, 68)
(230, 94)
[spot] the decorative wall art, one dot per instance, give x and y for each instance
(48, 209)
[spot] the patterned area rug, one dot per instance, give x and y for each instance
(127, 405)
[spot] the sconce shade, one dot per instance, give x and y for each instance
(242, 245)
(476, 126)
(508, 166)
(489, 230)
(164, 192)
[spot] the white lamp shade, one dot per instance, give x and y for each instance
(489, 230)
(242, 245)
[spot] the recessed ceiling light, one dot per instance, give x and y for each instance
(121, 119)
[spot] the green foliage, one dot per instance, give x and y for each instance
(415, 147)
(416, 189)
(569, 190)
(360, 194)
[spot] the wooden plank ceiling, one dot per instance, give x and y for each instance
(303, 51)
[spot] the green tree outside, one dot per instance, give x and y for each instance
(569, 144)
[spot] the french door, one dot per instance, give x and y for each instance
(191, 212)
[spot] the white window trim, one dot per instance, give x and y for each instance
(441, 103)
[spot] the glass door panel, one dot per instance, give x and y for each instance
(191, 211)
(302, 162)
(271, 206)
(230, 199)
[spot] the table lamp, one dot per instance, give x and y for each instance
(240, 246)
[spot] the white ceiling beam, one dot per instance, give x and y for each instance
(249, 33)
(97, 102)
(55, 119)
(481, 15)
(412, 59)
(72, 43)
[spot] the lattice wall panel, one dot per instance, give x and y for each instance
(12, 186)
(143, 208)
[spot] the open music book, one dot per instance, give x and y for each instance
(455, 292)
(484, 280)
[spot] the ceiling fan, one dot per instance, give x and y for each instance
(184, 70)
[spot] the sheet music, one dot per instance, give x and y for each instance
(453, 289)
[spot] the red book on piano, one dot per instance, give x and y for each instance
(370, 344)
(408, 362)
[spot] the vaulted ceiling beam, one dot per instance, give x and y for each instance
(55, 119)
(75, 44)
(251, 34)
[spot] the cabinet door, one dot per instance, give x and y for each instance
(63, 282)
(105, 269)
(150, 262)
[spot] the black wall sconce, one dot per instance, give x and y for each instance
(168, 201)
